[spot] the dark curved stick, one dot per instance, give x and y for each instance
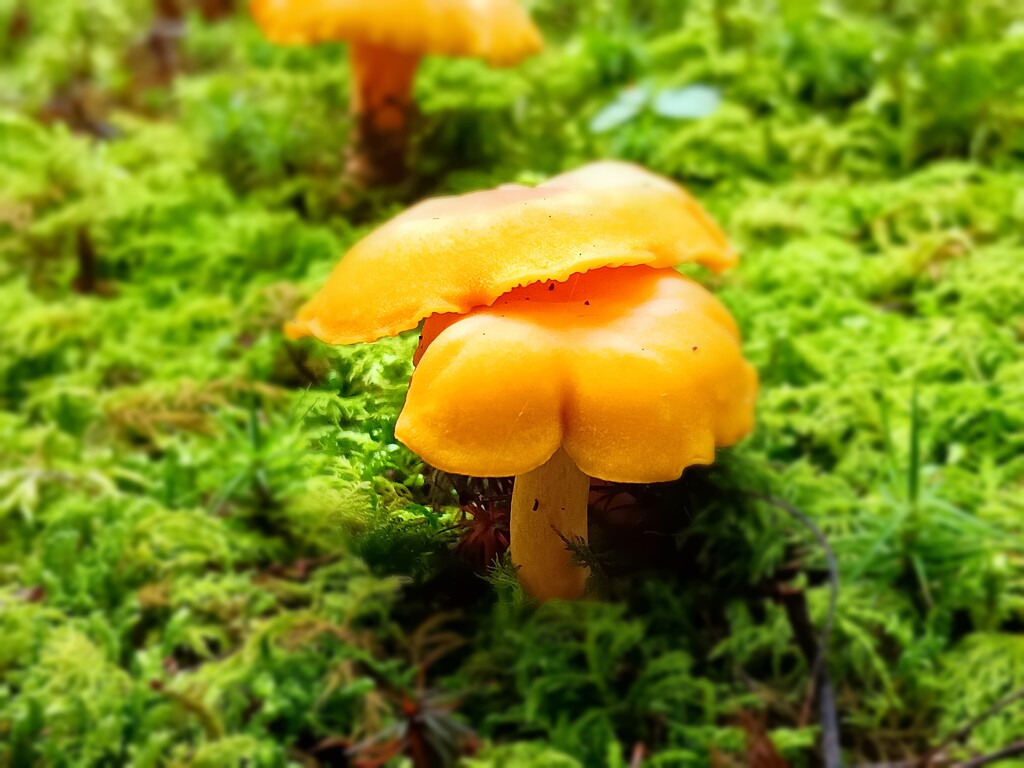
(815, 648)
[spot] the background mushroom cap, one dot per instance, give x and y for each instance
(636, 372)
(452, 254)
(498, 31)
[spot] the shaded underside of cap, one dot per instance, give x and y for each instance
(498, 31)
(636, 372)
(454, 254)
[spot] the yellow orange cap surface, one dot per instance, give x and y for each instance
(452, 254)
(498, 31)
(636, 372)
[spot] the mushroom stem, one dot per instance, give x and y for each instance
(381, 104)
(546, 502)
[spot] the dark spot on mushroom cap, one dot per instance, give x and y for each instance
(694, 349)
(551, 287)
(586, 303)
(536, 504)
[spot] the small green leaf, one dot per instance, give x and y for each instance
(627, 106)
(688, 103)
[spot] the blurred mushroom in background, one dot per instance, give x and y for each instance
(387, 41)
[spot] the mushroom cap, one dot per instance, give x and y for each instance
(451, 254)
(498, 31)
(636, 372)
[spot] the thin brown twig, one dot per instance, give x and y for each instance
(935, 757)
(942, 761)
(1015, 749)
(963, 732)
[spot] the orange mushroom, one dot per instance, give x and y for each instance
(387, 41)
(626, 374)
(559, 344)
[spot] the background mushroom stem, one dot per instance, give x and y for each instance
(381, 105)
(546, 502)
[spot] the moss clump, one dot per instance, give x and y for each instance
(214, 552)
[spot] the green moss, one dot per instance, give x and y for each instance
(213, 551)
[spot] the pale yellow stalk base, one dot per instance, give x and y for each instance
(549, 500)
